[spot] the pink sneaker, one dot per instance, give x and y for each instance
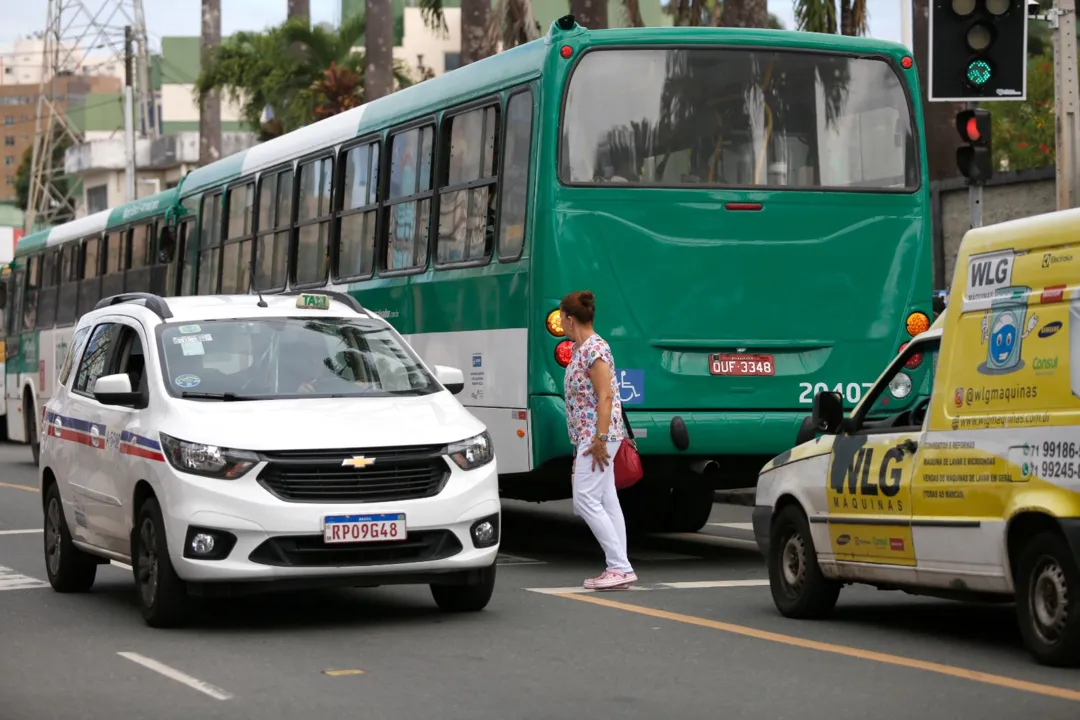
(612, 580)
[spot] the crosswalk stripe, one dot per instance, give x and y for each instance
(507, 559)
(687, 585)
(20, 532)
(11, 580)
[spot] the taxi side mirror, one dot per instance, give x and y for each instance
(828, 414)
(450, 378)
(116, 390)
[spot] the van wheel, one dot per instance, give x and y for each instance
(1048, 600)
(466, 598)
(70, 570)
(799, 588)
(31, 428)
(162, 595)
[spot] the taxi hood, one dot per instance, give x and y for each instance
(322, 423)
(811, 448)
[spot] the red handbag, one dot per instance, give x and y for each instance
(627, 462)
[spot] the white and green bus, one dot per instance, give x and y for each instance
(749, 207)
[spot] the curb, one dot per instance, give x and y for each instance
(735, 497)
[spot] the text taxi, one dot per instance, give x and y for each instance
(973, 490)
(227, 444)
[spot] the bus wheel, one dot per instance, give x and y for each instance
(30, 413)
(806, 432)
(1048, 600)
(691, 506)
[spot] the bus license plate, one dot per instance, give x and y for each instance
(363, 528)
(739, 364)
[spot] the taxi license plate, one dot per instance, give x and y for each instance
(363, 528)
(741, 364)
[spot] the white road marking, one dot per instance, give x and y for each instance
(735, 526)
(699, 584)
(11, 580)
(655, 556)
(708, 539)
(507, 559)
(174, 674)
(689, 585)
(20, 532)
(122, 566)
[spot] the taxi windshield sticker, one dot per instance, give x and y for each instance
(187, 381)
(189, 329)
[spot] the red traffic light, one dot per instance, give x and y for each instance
(974, 126)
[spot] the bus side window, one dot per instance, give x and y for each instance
(313, 222)
(236, 249)
(210, 244)
(67, 305)
(46, 312)
(273, 228)
(408, 202)
(354, 256)
(14, 312)
(185, 266)
(137, 271)
(515, 175)
(468, 191)
(90, 285)
(112, 282)
(30, 295)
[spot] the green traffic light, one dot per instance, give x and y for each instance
(978, 72)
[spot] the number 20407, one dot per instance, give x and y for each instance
(852, 392)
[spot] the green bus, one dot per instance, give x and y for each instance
(750, 207)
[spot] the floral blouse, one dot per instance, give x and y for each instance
(581, 399)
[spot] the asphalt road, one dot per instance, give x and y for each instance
(700, 639)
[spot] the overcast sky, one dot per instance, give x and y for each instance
(181, 17)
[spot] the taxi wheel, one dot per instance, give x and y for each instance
(799, 589)
(161, 594)
(1048, 600)
(466, 598)
(70, 570)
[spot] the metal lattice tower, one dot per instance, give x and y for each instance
(76, 31)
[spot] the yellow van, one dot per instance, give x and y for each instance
(973, 490)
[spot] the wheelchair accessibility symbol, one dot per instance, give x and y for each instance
(632, 386)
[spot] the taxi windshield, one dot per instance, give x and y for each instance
(274, 358)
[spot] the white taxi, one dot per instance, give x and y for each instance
(231, 444)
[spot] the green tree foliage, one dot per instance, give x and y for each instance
(1023, 132)
(284, 68)
(22, 173)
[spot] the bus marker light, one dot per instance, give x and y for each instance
(917, 322)
(563, 352)
(906, 63)
(554, 324)
(566, 51)
(742, 206)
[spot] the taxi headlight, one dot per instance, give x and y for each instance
(207, 460)
(472, 453)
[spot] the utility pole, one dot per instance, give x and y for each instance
(129, 119)
(1063, 22)
(210, 112)
(72, 30)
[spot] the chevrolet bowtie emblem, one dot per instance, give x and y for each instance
(357, 462)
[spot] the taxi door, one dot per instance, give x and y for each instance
(873, 462)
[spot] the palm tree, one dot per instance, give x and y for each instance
(591, 14)
(820, 16)
(257, 71)
(474, 24)
(707, 13)
(854, 17)
(379, 48)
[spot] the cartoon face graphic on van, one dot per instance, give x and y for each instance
(1004, 327)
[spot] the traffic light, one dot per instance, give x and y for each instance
(975, 157)
(978, 50)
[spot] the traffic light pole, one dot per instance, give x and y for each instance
(975, 191)
(1063, 22)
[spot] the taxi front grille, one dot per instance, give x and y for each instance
(407, 473)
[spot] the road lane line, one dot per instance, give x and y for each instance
(174, 674)
(20, 532)
(27, 488)
(706, 539)
(886, 658)
(122, 566)
(342, 673)
(659, 556)
(734, 526)
(699, 584)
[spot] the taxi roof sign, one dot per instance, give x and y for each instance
(311, 301)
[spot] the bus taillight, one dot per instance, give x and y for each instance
(563, 352)
(554, 324)
(912, 362)
(917, 322)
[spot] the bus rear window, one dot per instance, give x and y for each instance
(737, 118)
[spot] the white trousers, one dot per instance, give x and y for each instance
(596, 501)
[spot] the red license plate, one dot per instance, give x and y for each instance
(741, 364)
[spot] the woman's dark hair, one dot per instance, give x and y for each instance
(580, 305)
